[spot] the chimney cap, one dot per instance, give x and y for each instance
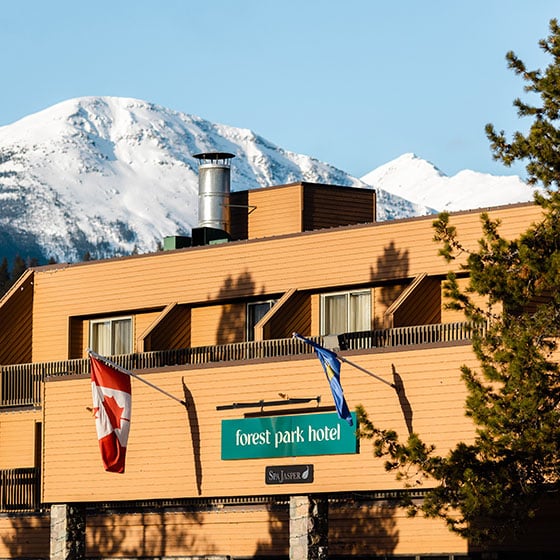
(212, 156)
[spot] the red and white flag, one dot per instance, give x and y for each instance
(111, 390)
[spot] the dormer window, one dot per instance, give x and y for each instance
(111, 336)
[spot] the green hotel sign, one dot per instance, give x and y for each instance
(288, 436)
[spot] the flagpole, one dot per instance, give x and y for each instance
(311, 343)
(366, 371)
(109, 362)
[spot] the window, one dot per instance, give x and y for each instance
(111, 337)
(346, 312)
(255, 312)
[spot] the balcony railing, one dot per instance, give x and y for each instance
(19, 490)
(20, 384)
(407, 336)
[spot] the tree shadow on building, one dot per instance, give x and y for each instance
(153, 533)
(355, 528)
(232, 324)
(29, 537)
(392, 264)
(139, 533)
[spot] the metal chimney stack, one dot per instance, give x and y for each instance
(213, 190)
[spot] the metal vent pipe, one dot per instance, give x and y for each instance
(214, 172)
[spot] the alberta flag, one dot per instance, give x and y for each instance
(331, 365)
(111, 391)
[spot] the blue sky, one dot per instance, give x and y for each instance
(355, 83)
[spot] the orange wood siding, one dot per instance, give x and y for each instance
(171, 329)
(141, 322)
(330, 206)
(292, 313)
(17, 439)
(298, 207)
(218, 324)
(382, 298)
(172, 454)
(255, 530)
(25, 536)
(451, 315)
(16, 322)
(240, 531)
(277, 211)
(328, 259)
(383, 528)
(419, 304)
(355, 529)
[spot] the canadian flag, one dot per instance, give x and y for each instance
(111, 393)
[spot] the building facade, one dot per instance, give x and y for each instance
(258, 452)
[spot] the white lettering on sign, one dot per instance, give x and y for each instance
(288, 436)
(324, 434)
(252, 438)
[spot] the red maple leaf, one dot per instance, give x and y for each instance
(114, 411)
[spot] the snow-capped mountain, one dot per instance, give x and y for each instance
(112, 175)
(417, 180)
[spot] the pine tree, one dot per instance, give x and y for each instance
(18, 268)
(491, 487)
(4, 277)
(540, 145)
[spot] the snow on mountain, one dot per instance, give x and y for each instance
(419, 181)
(113, 175)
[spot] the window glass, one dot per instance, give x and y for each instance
(100, 339)
(111, 337)
(335, 314)
(360, 312)
(255, 312)
(122, 336)
(345, 312)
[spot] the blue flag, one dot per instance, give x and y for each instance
(331, 365)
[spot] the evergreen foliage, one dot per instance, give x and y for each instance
(4, 276)
(9, 277)
(540, 145)
(489, 488)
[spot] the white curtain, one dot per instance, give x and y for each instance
(122, 336)
(336, 314)
(347, 312)
(111, 337)
(360, 312)
(101, 337)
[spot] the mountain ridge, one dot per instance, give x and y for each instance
(423, 183)
(111, 176)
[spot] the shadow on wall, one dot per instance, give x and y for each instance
(354, 529)
(403, 399)
(28, 537)
(150, 535)
(194, 434)
(232, 324)
(393, 263)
